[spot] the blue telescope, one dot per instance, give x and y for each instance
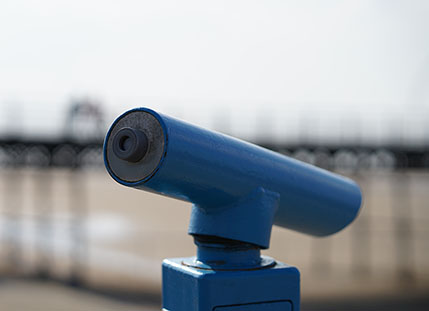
(238, 190)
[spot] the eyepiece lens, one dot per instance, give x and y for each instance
(130, 144)
(125, 143)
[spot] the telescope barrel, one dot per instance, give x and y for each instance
(154, 152)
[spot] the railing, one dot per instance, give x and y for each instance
(46, 200)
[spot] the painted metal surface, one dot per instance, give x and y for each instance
(217, 173)
(238, 191)
(192, 289)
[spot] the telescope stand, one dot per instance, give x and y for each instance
(228, 275)
(238, 191)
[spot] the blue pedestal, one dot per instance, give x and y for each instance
(187, 288)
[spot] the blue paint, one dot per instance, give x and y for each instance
(215, 171)
(238, 190)
(249, 219)
(191, 289)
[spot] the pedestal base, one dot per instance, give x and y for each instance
(193, 289)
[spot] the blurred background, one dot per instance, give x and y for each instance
(343, 85)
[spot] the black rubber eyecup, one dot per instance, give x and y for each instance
(130, 144)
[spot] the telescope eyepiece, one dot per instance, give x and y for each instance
(130, 144)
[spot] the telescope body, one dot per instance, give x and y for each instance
(238, 190)
(215, 171)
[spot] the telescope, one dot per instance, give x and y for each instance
(238, 191)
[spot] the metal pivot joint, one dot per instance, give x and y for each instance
(238, 191)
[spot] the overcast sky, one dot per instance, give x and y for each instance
(328, 60)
